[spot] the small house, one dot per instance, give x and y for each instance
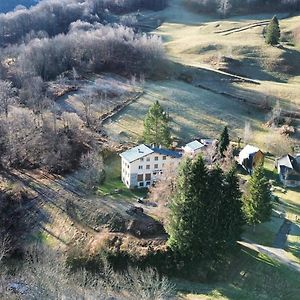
(288, 168)
(250, 157)
(193, 148)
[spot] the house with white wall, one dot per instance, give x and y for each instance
(143, 165)
(288, 167)
(193, 148)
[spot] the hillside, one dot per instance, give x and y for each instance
(207, 50)
(74, 92)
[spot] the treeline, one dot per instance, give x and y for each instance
(227, 7)
(53, 17)
(102, 48)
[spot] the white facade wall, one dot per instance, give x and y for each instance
(191, 152)
(147, 170)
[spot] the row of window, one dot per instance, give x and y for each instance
(148, 167)
(155, 158)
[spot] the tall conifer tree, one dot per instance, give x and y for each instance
(272, 34)
(223, 141)
(258, 198)
(206, 215)
(156, 126)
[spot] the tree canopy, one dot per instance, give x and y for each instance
(223, 141)
(257, 200)
(206, 212)
(272, 34)
(156, 126)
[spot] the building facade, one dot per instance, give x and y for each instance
(250, 157)
(288, 168)
(143, 165)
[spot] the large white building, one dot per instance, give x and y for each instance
(143, 165)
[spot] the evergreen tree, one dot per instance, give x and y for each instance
(156, 128)
(223, 141)
(206, 215)
(232, 210)
(272, 34)
(185, 224)
(258, 198)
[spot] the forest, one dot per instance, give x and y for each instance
(228, 7)
(77, 78)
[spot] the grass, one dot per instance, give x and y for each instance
(194, 112)
(293, 242)
(113, 187)
(251, 276)
(264, 233)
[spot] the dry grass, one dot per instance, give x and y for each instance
(194, 111)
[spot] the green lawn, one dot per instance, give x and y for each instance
(113, 187)
(264, 233)
(251, 276)
(290, 204)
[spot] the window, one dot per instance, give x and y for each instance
(142, 159)
(148, 183)
(163, 165)
(140, 177)
(140, 167)
(148, 159)
(156, 158)
(148, 167)
(156, 166)
(154, 173)
(148, 176)
(128, 166)
(164, 157)
(141, 184)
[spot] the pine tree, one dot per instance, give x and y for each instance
(223, 141)
(272, 34)
(206, 215)
(233, 219)
(258, 198)
(185, 223)
(156, 127)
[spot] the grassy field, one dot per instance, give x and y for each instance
(252, 276)
(210, 44)
(194, 112)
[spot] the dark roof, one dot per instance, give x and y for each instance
(166, 152)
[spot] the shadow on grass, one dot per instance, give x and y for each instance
(249, 275)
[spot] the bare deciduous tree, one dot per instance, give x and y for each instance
(7, 96)
(4, 245)
(93, 168)
(247, 133)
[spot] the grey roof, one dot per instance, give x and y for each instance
(136, 153)
(195, 145)
(288, 161)
(167, 152)
(144, 150)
